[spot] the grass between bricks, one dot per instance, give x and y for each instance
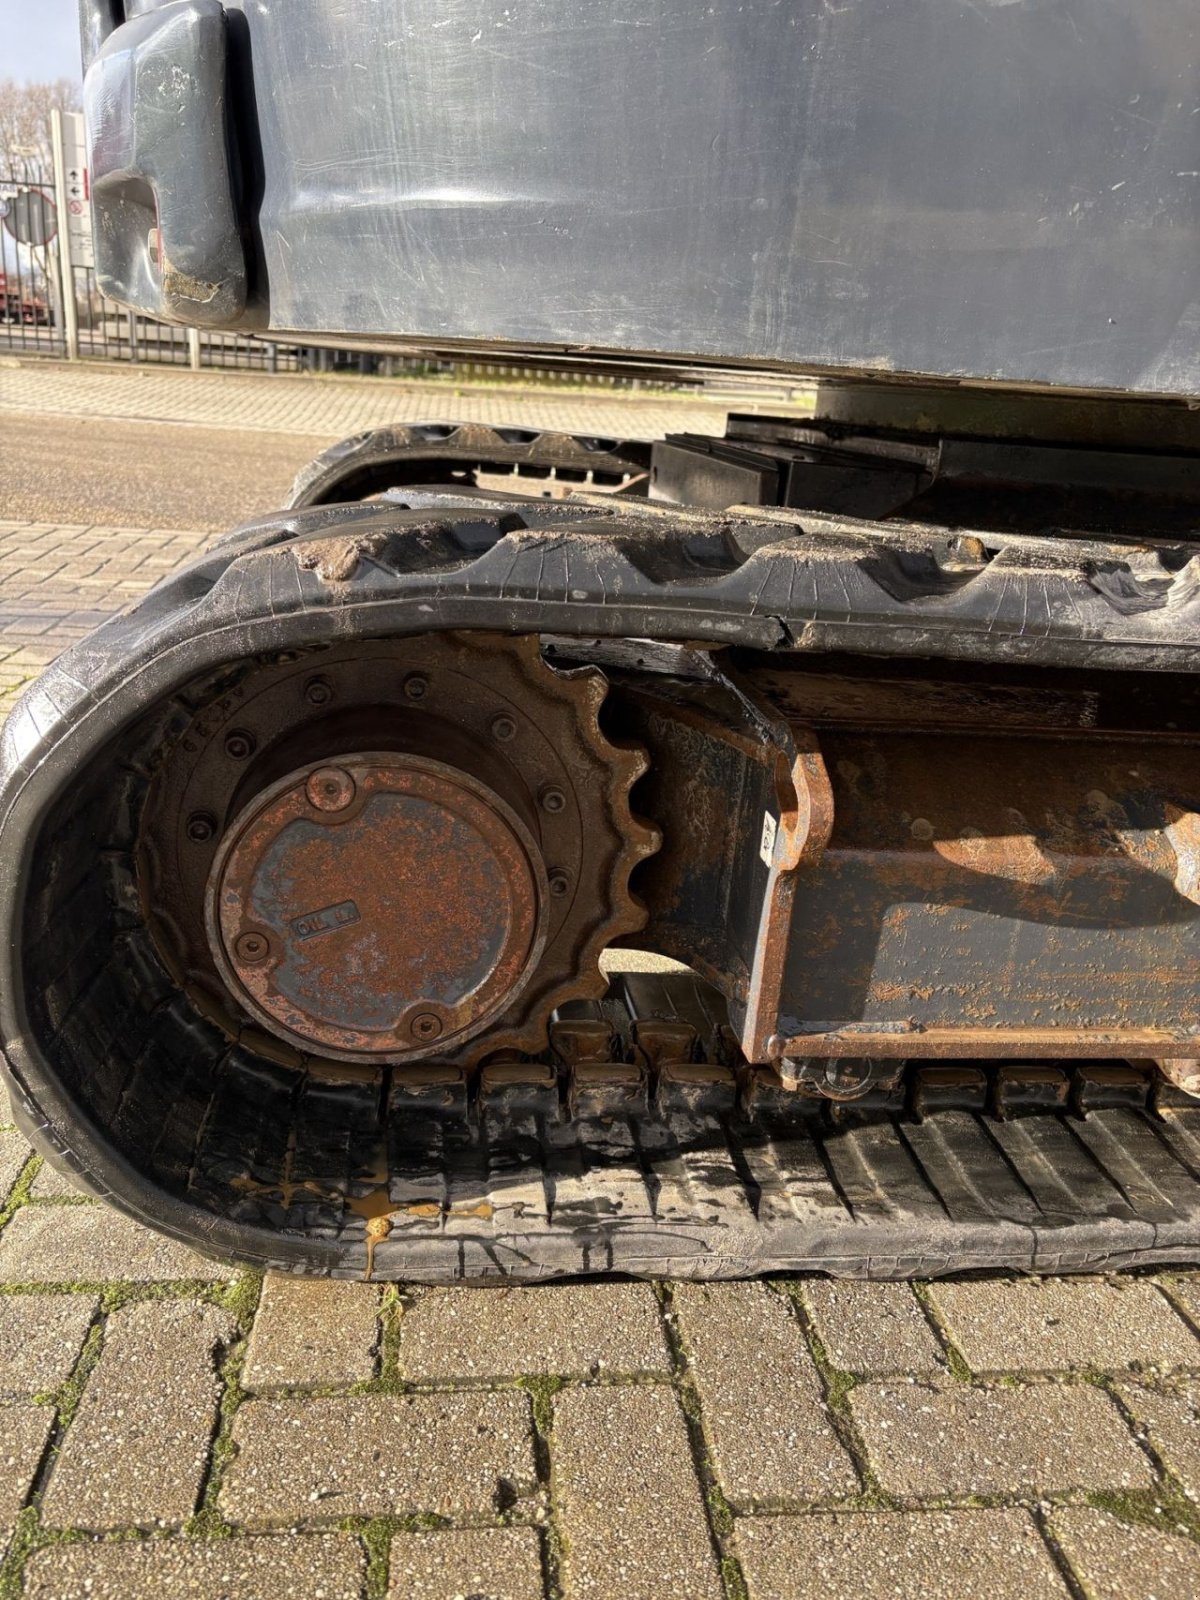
(720, 1512)
(838, 1385)
(954, 1356)
(18, 1195)
(541, 1388)
(240, 1300)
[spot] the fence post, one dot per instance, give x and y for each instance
(194, 349)
(66, 269)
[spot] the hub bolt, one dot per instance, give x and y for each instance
(560, 882)
(318, 691)
(553, 799)
(330, 789)
(201, 827)
(251, 948)
(416, 686)
(239, 745)
(425, 1026)
(503, 728)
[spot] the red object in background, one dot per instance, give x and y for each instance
(18, 305)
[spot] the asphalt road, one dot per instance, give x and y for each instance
(143, 474)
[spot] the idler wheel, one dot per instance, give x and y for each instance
(375, 908)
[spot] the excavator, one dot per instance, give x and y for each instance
(528, 855)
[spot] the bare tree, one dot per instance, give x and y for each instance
(25, 124)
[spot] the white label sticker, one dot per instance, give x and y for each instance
(767, 848)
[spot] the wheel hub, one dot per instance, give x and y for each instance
(376, 907)
(392, 849)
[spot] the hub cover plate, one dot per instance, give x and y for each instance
(377, 907)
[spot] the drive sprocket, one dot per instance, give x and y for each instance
(396, 850)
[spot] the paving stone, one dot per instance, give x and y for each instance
(628, 1499)
(14, 1153)
(94, 1244)
(484, 1564)
(24, 1431)
(1170, 1417)
(315, 1566)
(764, 1416)
(312, 1331)
(319, 1459)
(41, 1336)
(51, 1184)
(342, 406)
(1053, 1324)
(6, 1114)
(1117, 1561)
(918, 1555)
(954, 1438)
(136, 1451)
(572, 1329)
(1186, 1286)
(872, 1327)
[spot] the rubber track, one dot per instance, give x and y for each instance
(689, 1192)
(622, 570)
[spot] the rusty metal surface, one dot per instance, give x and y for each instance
(999, 896)
(460, 878)
(912, 890)
(377, 908)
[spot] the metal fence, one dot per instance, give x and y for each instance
(34, 318)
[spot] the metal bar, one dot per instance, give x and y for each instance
(65, 266)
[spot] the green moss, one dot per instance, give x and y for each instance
(209, 1522)
(19, 1193)
(71, 1392)
(954, 1357)
(541, 1388)
(23, 1542)
(1166, 1512)
(734, 1579)
(377, 1538)
(838, 1385)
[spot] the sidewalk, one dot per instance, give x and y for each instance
(335, 406)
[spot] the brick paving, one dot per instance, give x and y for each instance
(336, 407)
(593, 1442)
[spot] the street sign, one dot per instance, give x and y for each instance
(77, 182)
(31, 217)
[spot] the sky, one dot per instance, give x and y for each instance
(39, 41)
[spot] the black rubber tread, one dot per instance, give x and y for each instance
(515, 1193)
(888, 1201)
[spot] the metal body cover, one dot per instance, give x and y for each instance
(369, 909)
(999, 190)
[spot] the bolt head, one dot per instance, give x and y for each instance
(252, 948)
(503, 728)
(416, 686)
(425, 1026)
(559, 883)
(330, 789)
(201, 827)
(318, 691)
(239, 745)
(553, 800)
